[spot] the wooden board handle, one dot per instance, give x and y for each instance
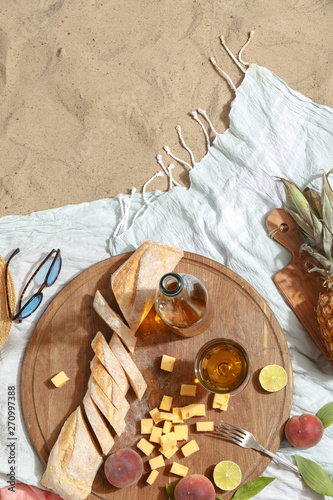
(283, 228)
(300, 288)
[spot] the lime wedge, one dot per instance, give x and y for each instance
(227, 475)
(272, 378)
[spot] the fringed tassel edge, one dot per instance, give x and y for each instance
(125, 205)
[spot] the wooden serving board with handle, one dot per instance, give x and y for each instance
(299, 287)
(62, 341)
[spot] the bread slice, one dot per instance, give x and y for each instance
(132, 371)
(100, 399)
(118, 399)
(102, 376)
(134, 284)
(74, 460)
(110, 362)
(98, 425)
(114, 416)
(114, 321)
(109, 386)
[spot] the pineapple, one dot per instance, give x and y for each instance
(313, 213)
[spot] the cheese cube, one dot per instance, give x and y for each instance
(156, 462)
(193, 410)
(152, 476)
(167, 363)
(221, 401)
(189, 448)
(145, 446)
(155, 435)
(188, 390)
(205, 426)
(177, 415)
(179, 469)
(181, 432)
(153, 414)
(169, 452)
(60, 379)
(167, 427)
(163, 415)
(168, 440)
(166, 403)
(146, 425)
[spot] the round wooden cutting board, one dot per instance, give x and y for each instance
(61, 342)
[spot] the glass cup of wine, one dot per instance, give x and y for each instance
(222, 366)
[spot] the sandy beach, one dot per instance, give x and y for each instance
(92, 94)
(92, 91)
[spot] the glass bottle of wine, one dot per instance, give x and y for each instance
(183, 304)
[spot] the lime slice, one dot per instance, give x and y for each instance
(272, 378)
(227, 475)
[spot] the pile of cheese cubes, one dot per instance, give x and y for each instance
(174, 430)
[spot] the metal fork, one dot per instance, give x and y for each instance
(246, 440)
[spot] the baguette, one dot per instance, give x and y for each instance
(74, 460)
(135, 282)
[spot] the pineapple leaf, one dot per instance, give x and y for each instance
(326, 187)
(308, 230)
(325, 263)
(319, 270)
(327, 241)
(287, 193)
(313, 213)
(327, 210)
(298, 201)
(314, 200)
(317, 231)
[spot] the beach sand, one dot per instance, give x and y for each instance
(92, 91)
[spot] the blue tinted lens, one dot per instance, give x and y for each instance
(30, 306)
(54, 271)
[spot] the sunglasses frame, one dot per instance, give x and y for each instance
(38, 292)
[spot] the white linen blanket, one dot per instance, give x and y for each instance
(274, 131)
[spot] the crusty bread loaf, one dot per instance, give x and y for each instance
(134, 284)
(74, 460)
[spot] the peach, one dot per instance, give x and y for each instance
(123, 468)
(195, 487)
(304, 431)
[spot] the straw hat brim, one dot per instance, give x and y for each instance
(5, 321)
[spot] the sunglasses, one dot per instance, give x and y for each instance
(35, 300)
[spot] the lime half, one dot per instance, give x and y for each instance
(227, 475)
(272, 378)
